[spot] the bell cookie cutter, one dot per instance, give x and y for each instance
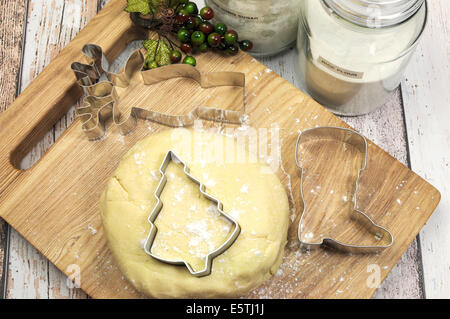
(360, 143)
(103, 102)
(171, 156)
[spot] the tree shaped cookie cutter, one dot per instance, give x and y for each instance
(171, 156)
(360, 143)
(102, 101)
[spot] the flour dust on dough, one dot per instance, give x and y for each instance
(189, 226)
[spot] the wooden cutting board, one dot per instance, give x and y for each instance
(54, 203)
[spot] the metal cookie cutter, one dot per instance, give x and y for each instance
(103, 102)
(171, 156)
(360, 143)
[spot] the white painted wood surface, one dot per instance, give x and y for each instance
(52, 23)
(426, 97)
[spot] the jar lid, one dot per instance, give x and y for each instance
(374, 13)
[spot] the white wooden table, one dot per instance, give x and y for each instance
(414, 127)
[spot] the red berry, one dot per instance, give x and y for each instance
(233, 32)
(186, 48)
(214, 39)
(175, 56)
(191, 23)
(207, 13)
(206, 28)
(182, 16)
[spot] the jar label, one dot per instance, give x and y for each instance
(238, 14)
(344, 72)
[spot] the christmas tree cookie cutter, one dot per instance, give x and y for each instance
(102, 101)
(172, 157)
(360, 143)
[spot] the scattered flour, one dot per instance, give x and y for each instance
(244, 189)
(92, 230)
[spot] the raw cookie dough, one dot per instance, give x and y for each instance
(188, 225)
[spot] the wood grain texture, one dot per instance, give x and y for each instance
(386, 128)
(12, 17)
(427, 98)
(50, 26)
(3, 256)
(73, 173)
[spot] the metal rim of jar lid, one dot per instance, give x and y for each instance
(374, 13)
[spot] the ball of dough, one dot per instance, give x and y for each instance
(189, 226)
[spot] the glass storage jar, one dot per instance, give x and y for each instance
(270, 24)
(352, 54)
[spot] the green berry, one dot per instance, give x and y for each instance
(221, 28)
(191, 8)
(190, 60)
(214, 39)
(183, 35)
(246, 45)
(199, 20)
(152, 65)
(232, 49)
(222, 46)
(175, 56)
(230, 37)
(180, 7)
(198, 37)
(203, 47)
(191, 23)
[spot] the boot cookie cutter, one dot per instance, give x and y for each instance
(102, 101)
(357, 140)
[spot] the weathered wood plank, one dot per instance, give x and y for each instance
(51, 24)
(427, 98)
(12, 17)
(3, 255)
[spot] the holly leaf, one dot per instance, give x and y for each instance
(146, 7)
(159, 53)
(163, 54)
(140, 6)
(150, 45)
